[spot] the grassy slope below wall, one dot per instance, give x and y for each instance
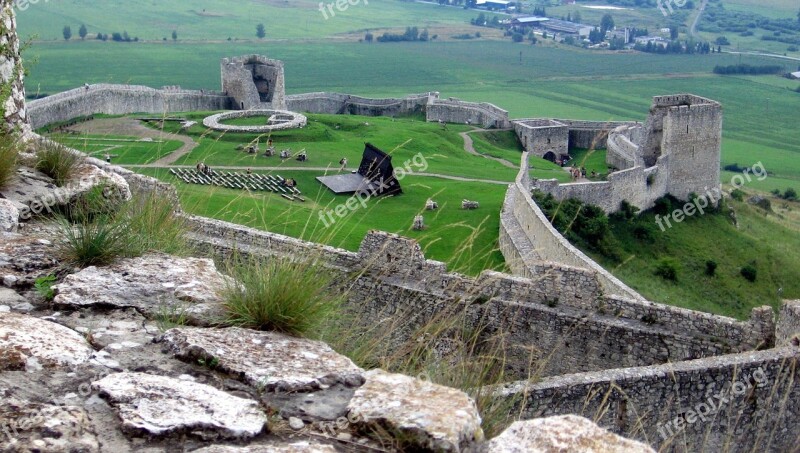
(768, 242)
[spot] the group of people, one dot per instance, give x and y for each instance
(578, 173)
(290, 182)
(203, 168)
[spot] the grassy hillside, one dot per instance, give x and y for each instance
(668, 262)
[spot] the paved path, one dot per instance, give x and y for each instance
(693, 28)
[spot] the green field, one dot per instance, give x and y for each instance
(123, 150)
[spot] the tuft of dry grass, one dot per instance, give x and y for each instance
(57, 162)
(9, 151)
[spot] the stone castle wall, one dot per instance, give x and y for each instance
(732, 403)
(591, 134)
(787, 330)
(121, 100)
(477, 114)
(553, 320)
(542, 136)
(339, 104)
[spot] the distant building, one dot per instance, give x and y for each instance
(569, 28)
(655, 40)
(623, 33)
(528, 21)
(795, 75)
(494, 5)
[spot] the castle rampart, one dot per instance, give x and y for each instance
(477, 114)
(121, 100)
(734, 403)
(339, 104)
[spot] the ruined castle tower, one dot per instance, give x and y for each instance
(687, 129)
(254, 82)
(12, 89)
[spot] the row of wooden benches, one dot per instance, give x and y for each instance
(242, 181)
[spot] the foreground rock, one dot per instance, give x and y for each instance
(34, 193)
(152, 284)
(424, 414)
(34, 427)
(268, 360)
(162, 405)
(24, 258)
(9, 216)
(28, 343)
(295, 447)
(567, 433)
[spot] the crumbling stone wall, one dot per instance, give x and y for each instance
(543, 137)
(340, 104)
(12, 74)
(676, 152)
(481, 114)
(733, 403)
(787, 330)
(121, 100)
(254, 82)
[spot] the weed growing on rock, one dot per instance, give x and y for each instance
(57, 162)
(8, 159)
(294, 297)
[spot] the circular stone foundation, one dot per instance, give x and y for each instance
(276, 120)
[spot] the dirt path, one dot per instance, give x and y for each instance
(693, 28)
(469, 147)
(132, 127)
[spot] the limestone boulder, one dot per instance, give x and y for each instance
(162, 405)
(32, 427)
(152, 284)
(269, 360)
(34, 193)
(23, 258)
(567, 433)
(88, 176)
(424, 414)
(28, 343)
(9, 216)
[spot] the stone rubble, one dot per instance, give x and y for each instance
(565, 433)
(429, 416)
(9, 216)
(152, 284)
(28, 343)
(31, 427)
(268, 360)
(160, 405)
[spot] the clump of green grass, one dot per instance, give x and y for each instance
(94, 242)
(154, 225)
(147, 223)
(57, 162)
(9, 152)
(294, 297)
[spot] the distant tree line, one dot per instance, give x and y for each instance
(411, 34)
(748, 69)
(675, 47)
